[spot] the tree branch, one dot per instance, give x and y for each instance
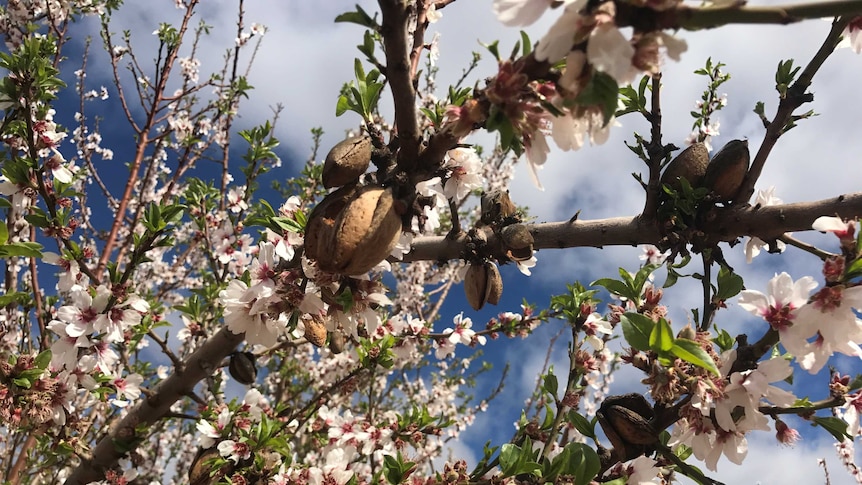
(126, 434)
(796, 96)
(765, 222)
(396, 17)
(694, 18)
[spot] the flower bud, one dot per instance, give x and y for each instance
(347, 161)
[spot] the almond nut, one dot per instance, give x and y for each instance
(690, 164)
(366, 231)
(347, 161)
(315, 331)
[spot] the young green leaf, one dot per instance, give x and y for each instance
(661, 338)
(691, 352)
(637, 330)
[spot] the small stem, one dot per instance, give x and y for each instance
(815, 406)
(656, 152)
(707, 293)
(823, 255)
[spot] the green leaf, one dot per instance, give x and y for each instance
(724, 340)
(4, 233)
(19, 297)
(549, 417)
(691, 352)
(509, 455)
(550, 383)
(43, 359)
(21, 249)
(526, 46)
(729, 284)
(661, 338)
(672, 277)
(583, 463)
(582, 424)
(835, 426)
(358, 17)
(38, 220)
(854, 269)
(617, 287)
(493, 48)
(342, 106)
(637, 329)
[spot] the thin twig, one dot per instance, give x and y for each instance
(796, 97)
(792, 241)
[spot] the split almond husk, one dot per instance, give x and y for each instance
(320, 229)
(359, 236)
(483, 284)
(315, 331)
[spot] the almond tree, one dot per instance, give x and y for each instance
(124, 331)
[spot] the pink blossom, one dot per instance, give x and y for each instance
(233, 450)
(210, 433)
(128, 389)
(610, 52)
(779, 307)
(570, 28)
(245, 311)
(465, 173)
(652, 254)
(754, 244)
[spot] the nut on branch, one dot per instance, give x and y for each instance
(353, 229)
(517, 242)
(726, 171)
(690, 164)
(483, 284)
(496, 206)
(242, 367)
(315, 331)
(627, 422)
(347, 161)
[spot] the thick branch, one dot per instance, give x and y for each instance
(765, 222)
(694, 18)
(124, 435)
(396, 17)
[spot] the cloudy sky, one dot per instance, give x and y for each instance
(305, 58)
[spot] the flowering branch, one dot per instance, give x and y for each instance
(765, 222)
(125, 434)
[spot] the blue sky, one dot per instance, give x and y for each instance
(305, 58)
